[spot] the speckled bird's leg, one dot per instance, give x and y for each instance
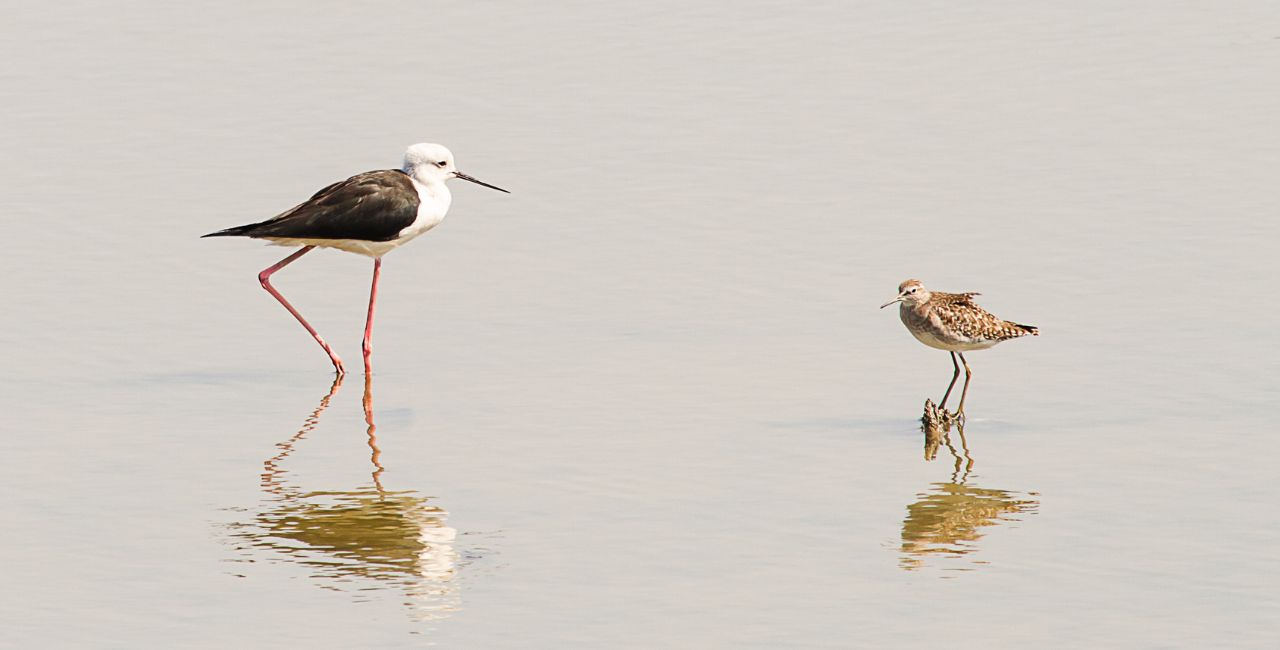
(965, 391)
(943, 406)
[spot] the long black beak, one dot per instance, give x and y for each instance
(478, 182)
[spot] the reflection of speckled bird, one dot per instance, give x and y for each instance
(948, 519)
(953, 322)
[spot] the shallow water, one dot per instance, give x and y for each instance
(646, 400)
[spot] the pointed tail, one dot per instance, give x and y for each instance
(238, 231)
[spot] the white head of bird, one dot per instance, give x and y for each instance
(432, 164)
(910, 293)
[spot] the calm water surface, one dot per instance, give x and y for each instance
(646, 400)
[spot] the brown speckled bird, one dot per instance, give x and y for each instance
(952, 322)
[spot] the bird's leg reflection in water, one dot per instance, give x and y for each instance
(947, 520)
(374, 454)
(362, 541)
(271, 472)
(936, 424)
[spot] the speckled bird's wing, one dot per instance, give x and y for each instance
(963, 317)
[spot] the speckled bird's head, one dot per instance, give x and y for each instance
(910, 292)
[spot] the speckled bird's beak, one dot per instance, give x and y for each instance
(898, 299)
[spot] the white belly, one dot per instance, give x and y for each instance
(932, 341)
(431, 210)
(357, 246)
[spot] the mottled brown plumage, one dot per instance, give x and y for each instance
(958, 323)
(953, 322)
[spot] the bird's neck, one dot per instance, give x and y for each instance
(431, 185)
(434, 191)
(918, 310)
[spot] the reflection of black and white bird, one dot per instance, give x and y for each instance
(369, 214)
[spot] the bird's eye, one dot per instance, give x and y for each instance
(442, 163)
(911, 290)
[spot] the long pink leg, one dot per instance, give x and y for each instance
(368, 323)
(265, 278)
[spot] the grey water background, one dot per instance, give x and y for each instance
(646, 400)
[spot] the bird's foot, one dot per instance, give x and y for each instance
(934, 423)
(940, 416)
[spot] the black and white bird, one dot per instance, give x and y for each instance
(369, 214)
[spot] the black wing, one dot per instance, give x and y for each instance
(373, 206)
